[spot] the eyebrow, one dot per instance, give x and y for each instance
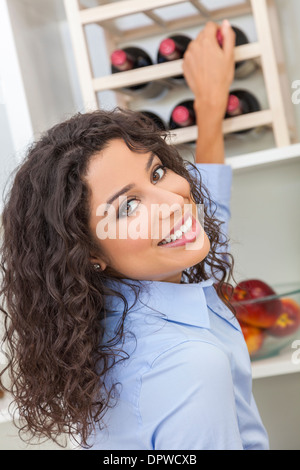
(128, 187)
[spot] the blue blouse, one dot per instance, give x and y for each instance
(187, 382)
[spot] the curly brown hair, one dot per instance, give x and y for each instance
(52, 297)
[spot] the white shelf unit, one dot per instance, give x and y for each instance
(267, 50)
(282, 364)
(265, 157)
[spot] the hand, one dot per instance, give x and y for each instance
(209, 70)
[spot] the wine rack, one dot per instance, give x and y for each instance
(267, 50)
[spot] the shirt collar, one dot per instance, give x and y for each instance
(179, 303)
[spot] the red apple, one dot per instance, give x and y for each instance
(262, 314)
(254, 337)
(288, 321)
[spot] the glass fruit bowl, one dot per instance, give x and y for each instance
(269, 316)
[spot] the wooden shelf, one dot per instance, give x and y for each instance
(112, 11)
(248, 121)
(267, 50)
(162, 71)
(106, 14)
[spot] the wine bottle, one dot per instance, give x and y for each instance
(131, 58)
(241, 102)
(243, 68)
(156, 119)
(173, 48)
(183, 115)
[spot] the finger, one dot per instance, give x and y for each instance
(209, 31)
(228, 39)
(211, 28)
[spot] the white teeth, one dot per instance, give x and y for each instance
(183, 228)
(178, 234)
(189, 223)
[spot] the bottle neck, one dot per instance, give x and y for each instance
(182, 116)
(169, 50)
(121, 60)
(234, 106)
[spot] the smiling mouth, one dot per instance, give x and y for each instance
(182, 234)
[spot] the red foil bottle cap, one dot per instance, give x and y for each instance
(167, 47)
(180, 114)
(118, 57)
(220, 38)
(233, 103)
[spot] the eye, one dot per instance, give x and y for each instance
(128, 208)
(159, 173)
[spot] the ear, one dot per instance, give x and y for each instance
(98, 265)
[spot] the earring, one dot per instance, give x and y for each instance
(97, 267)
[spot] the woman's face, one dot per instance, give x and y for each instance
(135, 204)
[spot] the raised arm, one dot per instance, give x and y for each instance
(209, 71)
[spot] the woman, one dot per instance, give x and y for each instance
(116, 333)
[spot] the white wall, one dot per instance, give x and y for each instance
(40, 33)
(265, 225)
(277, 399)
(15, 124)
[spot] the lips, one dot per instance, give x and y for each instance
(179, 230)
(190, 236)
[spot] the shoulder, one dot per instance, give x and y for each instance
(193, 359)
(210, 170)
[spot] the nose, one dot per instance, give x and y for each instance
(168, 202)
(167, 207)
